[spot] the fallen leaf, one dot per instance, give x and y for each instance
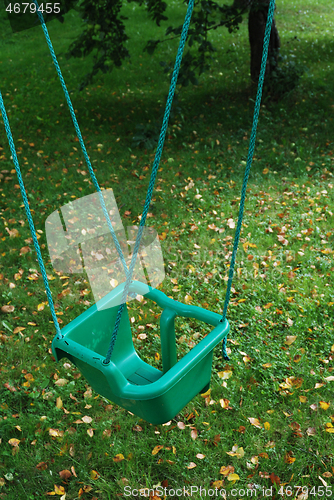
(59, 490)
(289, 339)
(14, 442)
(87, 419)
(233, 477)
(225, 375)
(200, 456)
(90, 432)
(192, 465)
(274, 479)
(59, 403)
(255, 422)
(217, 484)
(156, 449)
(267, 426)
(324, 405)
(94, 475)
(288, 459)
(194, 434)
(118, 458)
(42, 466)
(181, 425)
(65, 474)
(226, 470)
(7, 309)
(61, 382)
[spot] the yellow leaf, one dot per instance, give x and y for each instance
(40, 307)
(18, 329)
(317, 386)
(289, 339)
(324, 405)
(188, 299)
(218, 484)
(59, 490)
(94, 475)
(303, 399)
(267, 426)
(225, 375)
(288, 459)
(156, 449)
(206, 394)
(192, 465)
(90, 432)
(14, 442)
(226, 470)
(233, 477)
(267, 365)
(118, 458)
(265, 171)
(59, 403)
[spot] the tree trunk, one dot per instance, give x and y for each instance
(256, 27)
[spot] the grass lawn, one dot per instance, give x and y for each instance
(267, 424)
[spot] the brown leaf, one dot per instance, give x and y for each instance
(311, 431)
(42, 466)
(65, 474)
(7, 309)
(274, 479)
(137, 428)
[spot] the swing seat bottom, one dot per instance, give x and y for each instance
(154, 395)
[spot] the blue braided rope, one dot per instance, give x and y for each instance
(27, 208)
(153, 174)
(76, 126)
(249, 163)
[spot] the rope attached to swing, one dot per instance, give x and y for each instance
(249, 163)
(153, 174)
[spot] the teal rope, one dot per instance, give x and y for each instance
(30, 220)
(249, 162)
(154, 172)
(76, 126)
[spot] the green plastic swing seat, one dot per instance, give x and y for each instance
(154, 395)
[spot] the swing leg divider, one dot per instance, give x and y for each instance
(154, 395)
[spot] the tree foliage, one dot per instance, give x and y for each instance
(105, 33)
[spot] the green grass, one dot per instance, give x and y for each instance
(283, 283)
